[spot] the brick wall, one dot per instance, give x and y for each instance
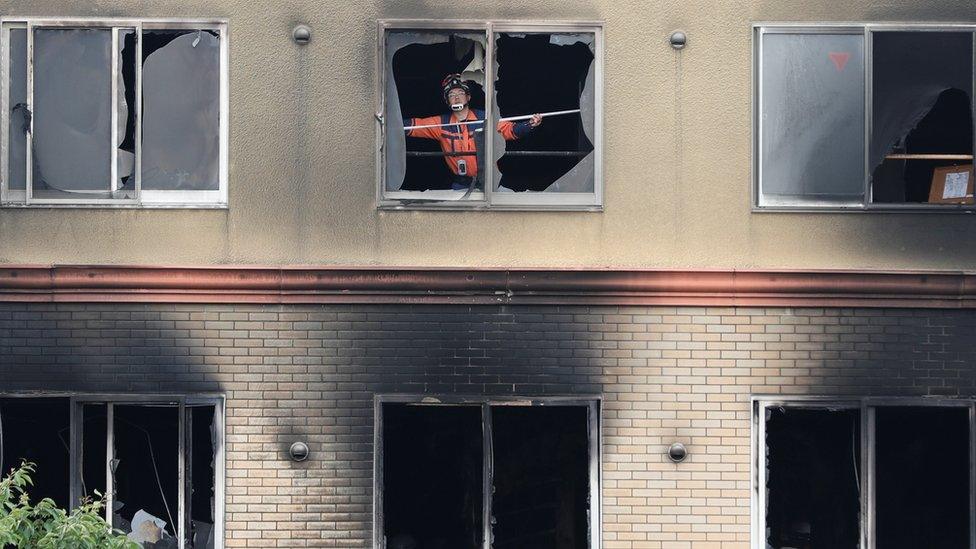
(310, 372)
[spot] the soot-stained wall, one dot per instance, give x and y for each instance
(677, 142)
(665, 374)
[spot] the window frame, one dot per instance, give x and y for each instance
(209, 199)
(867, 407)
(182, 401)
(488, 199)
(593, 404)
(867, 30)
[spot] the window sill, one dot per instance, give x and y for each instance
(483, 207)
(16, 206)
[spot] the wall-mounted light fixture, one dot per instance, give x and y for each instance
(677, 452)
(678, 40)
(302, 34)
(298, 451)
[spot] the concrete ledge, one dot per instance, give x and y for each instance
(257, 284)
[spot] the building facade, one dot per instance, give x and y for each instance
(720, 297)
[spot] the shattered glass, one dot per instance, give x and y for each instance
(542, 73)
(181, 110)
(922, 104)
(72, 113)
(416, 63)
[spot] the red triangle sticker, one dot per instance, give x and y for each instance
(840, 59)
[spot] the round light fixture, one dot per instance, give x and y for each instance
(298, 451)
(677, 452)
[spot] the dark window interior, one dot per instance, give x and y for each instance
(418, 70)
(922, 105)
(812, 471)
(922, 468)
(202, 474)
(432, 477)
(535, 76)
(146, 464)
(38, 430)
(541, 477)
(95, 431)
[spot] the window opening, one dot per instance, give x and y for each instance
(94, 435)
(914, 489)
(146, 479)
(922, 117)
(813, 147)
(114, 114)
(200, 480)
(474, 474)
(923, 477)
(545, 73)
(812, 472)
(432, 476)
(533, 137)
(37, 430)
(541, 477)
(427, 157)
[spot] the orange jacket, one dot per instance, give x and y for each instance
(461, 138)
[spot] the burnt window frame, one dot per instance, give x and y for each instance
(593, 404)
(867, 406)
(141, 198)
(760, 203)
(489, 199)
(180, 401)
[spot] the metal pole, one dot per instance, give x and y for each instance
(507, 119)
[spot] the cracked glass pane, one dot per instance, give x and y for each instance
(181, 110)
(72, 113)
(19, 120)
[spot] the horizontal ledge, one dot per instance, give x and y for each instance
(263, 285)
(929, 157)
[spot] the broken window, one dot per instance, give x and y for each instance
(923, 477)
(155, 461)
(37, 430)
(543, 118)
(813, 458)
(912, 487)
(922, 117)
(114, 114)
(457, 475)
(813, 149)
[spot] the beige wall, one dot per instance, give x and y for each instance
(677, 153)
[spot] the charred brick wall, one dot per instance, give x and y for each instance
(311, 372)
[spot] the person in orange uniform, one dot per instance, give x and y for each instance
(455, 138)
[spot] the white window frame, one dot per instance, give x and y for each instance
(593, 405)
(867, 30)
(180, 401)
(867, 407)
(488, 199)
(142, 198)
